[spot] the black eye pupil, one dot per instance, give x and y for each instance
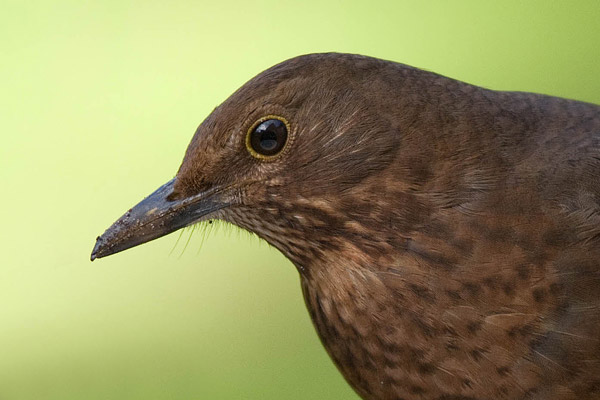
(268, 140)
(269, 137)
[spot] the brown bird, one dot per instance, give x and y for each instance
(447, 236)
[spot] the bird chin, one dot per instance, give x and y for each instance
(156, 216)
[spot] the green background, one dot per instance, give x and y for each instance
(98, 101)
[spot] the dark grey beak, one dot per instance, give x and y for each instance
(153, 217)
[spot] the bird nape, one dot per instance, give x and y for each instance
(447, 236)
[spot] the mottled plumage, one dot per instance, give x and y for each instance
(447, 236)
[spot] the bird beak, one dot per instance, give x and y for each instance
(155, 216)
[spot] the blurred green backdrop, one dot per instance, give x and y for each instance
(98, 101)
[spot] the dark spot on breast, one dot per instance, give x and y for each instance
(389, 363)
(368, 362)
(500, 234)
(492, 282)
(555, 289)
(526, 330)
(477, 353)
(508, 288)
(530, 392)
(472, 288)
(363, 384)
(422, 292)
(502, 371)
(433, 258)
(523, 271)
(555, 237)
(539, 294)
(420, 172)
(474, 326)
(451, 346)
(388, 347)
(426, 368)
(415, 354)
(438, 229)
(414, 389)
(453, 295)
(465, 246)
(594, 387)
(450, 331)
(355, 332)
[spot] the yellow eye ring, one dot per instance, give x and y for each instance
(268, 137)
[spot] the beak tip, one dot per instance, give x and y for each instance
(97, 249)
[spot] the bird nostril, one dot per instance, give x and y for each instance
(174, 196)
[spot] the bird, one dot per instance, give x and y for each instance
(446, 236)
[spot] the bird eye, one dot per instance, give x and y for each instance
(267, 137)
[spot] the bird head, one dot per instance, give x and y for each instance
(283, 157)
